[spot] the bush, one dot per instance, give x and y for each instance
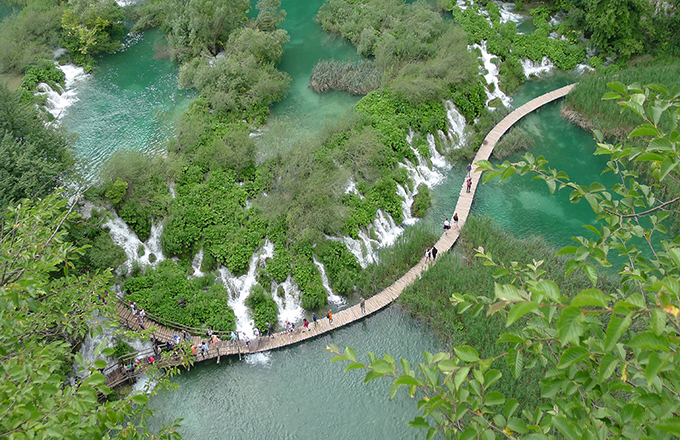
(159, 290)
(342, 267)
(262, 307)
(421, 201)
(356, 77)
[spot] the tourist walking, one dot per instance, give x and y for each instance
(185, 335)
(215, 340)
(330, 317)
(469, 185)
(270, 330)
(133, 306)
(204, 350)
(428, 254)
(455, 220)
(469, 169)
(208, 333)
(434, 253)
(314, 318)
(176, 338)
(305, 325)
(362, 304)
(447, 225)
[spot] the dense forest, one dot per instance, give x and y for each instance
(224, 192)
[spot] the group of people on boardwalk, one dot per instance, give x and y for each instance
(137, 314)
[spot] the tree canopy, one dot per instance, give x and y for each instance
(609, 357)
(33, 156)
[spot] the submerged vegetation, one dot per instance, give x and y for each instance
(356, 77)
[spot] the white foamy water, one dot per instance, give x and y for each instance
(289, 306)
(456, 133)
(262, 358)
(239, 289)
(531, 67)
(196, 264)
(123, 236)
(332, 297)
(507, 11)
(58, 101)
(491, 75)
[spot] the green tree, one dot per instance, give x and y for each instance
(33, 156)
(46, 314)
(610, 357)
(91, 28)
(203, 25)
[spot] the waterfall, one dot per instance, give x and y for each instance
(535, 68)
(491, 76)
(239, 288)
(507, 11)
(196, 264)
(456, 132)
(59, 100)
(289, 306)
(332, 297)
(123, 236)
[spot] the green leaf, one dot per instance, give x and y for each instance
(460, 377)
(589, 297)
(382, 367)
(669, 425)
(509, 337)
(644, 130)
(657, 321)
(419, 422)
(510, 407)
(519, 310)
(447, 365)
(354, 366)
(406, 380)
(654, 365)
(99, 364)
(491, 377)
(517, 425)
(567, 250)
(372, 375)
(140, 399)
(494, 398)
(618, 87)
(467, 353)
(569, 326)
(591, 273)
(565, 428)
(508, 292)
(572, 355)
(615, 330)
(648, 340)
(607, 367)
(349, 354)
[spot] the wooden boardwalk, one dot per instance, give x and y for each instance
(380, 300)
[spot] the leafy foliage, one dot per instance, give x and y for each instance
(159, 290)
(606, 354)
(262, 307)
(99, 251)
(136, 185)
(29, 37)
(46, 314)
(33, 157)
(421, 201)
(342, 267)
(355, 77)
(91, 28)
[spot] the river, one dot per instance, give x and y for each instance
(130, 101)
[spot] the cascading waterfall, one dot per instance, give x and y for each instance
(239, 288)
(196, 264)
(58, 101)
(491, 76)
(456, 134)
(123, 236)
(289, 304)
(332, 297)
(535, 68)
(507, 11)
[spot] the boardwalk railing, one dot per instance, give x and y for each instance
(380, 300)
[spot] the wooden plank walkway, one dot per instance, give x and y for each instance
(380, 300)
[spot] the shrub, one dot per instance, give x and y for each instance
(262, 307)
(421, 201)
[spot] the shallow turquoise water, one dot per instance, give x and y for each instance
(129, 102)
(297, 393)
